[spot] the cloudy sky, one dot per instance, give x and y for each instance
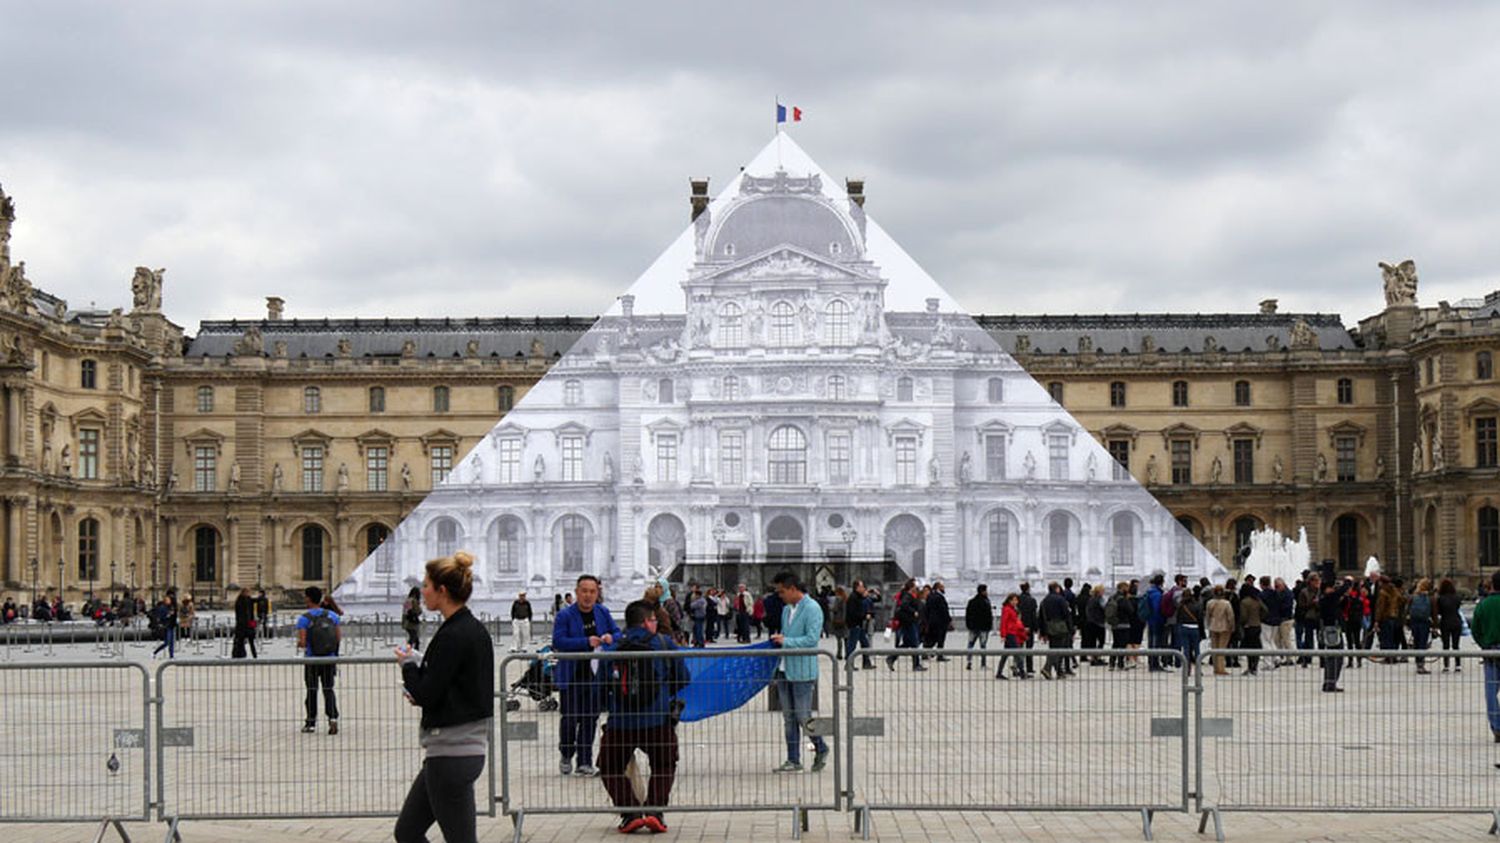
(397, 159)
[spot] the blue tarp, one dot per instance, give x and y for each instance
(724, 684)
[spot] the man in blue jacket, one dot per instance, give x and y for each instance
(583, 627)
(638, 694)
(801, 627)
(1156, 623)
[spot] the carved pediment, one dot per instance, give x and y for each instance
(88, 417)
(310, 438)
(995, 427)
(571, 429)
(375, 438)
(905, 427)
(661, 426)
(1181, 430)
(506, 430)
(1346, 428)
(1059, 427)
(1480, 407)
(206, 438)
(1243, 430)
(1120, 431)
(782, 262)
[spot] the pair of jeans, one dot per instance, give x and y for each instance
(698, 636)
(1156, 638)
(796, 709)
(854, 639)
(1122, 640)
(168, 641)
(1334, 666)
(1012, 642)
(908, 637)
(314, 675)
(1492, 689)
(1307, 639)
(443, 792)
(981, 636)
(579, 707)
(1188, 639)
(658, 744)
(1421, 636)
(1450, 642)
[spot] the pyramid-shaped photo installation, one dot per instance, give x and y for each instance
(783, 387)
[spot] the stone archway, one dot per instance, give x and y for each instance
(784, 539)
(906, 544)
(666, 542)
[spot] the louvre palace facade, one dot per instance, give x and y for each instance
(284, 451)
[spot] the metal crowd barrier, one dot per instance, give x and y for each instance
(77, 744)
(1392, 741)
(230, 743)
(724, 763)
(952, 738)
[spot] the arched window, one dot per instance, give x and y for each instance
(445, 534)
(88, 549)
(375, 536)
(205, 399)
(836, 323)
(996, 390)
(838, 388)
(440, 397)
(731, 388)
(312, 400)
(1484, 366)
(377, 399)
(506, 398)
(1345, 391)
(998, 533)
(205, 554)
(1122, 546)
(1489, 537)
(1242, 393)
(731, 326)
(904, 389)
(787, 454)
(1059, 538)
(1179, 393)
(1244, 526)
(314, 545)
(783, 325)
(664, 391)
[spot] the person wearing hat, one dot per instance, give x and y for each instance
(520, 624)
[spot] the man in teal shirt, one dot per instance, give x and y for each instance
(1486, 628)
(801, 628)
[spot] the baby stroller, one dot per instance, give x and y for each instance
(535, 683)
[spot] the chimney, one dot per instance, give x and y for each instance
(856, 190)
(1268, 306)
(699, 197)
(627, 306)
(273, 308)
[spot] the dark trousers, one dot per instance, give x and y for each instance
(742, 627)
(1334, 666)
(1011, 643)
(1156, 638)
(443, 792)
(1030, 643)
(243, 636)
(1450, 642)
(1307, 639)
(1421, 636)
(698, 634)
(314, 675)
(580, 717)
(658, 744)
(1250, 640)
(908, 637)
(1122, 639)
(854, 639)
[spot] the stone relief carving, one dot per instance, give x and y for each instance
(1278, 469)
(277, 477)
(1303, 336)
(405, 477)
(1151, 470)
(1400, 282)
(1216, 471)
(1320, 469)
(250, 343)
(145, 288)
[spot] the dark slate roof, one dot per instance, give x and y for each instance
(1171, 332)
(505, 337)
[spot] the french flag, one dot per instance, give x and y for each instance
(781, 113)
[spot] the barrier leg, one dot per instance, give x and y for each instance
(172, 835)
(517, 819)
(104, 826)
(868, 818)
(1218, 824)
(1495, 825)
(1146, 816)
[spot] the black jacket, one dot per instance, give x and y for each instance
(456, 680)
(856, 609)
(244, 612)
(935, 612)
(1445, 608)
(1026, 606)
(979, 614)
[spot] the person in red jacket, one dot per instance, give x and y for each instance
(1013, 633)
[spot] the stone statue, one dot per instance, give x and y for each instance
(148, 471)
(405, 477)
(278, 349)
(1151, 470)
(1400, 282)
(276, 479)
(250, 344)
(1216, 471)
(1210, 345)
(1380, 467)
(934, 470)
(1437, 452)
(1320, 470)
(965, 468)
(539, 468)
(609, 469)
(17, 290)
(1148, 344)
(1303, 336)
(409, 348)
(145, 288)
(1091, 467)
(942, 333)
(637, 470)
(345, 347)
(1023, 343)
(67, 460)
(117, 320)
(1278, 469)
(47, 455)
(1416, 457)
(7, 218)
(537, 347)
(757, 321)
(1085, 344)
(172, 480)
(1030, 464)
(130, 460)
(471, 348)
(234, 476)
(343, 477)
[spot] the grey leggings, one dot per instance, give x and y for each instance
(443, 792)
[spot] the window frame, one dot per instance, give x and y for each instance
(88, 373)
(377, 468)
(89, 441)
(1180, 470)
(442, 399)
(312, 400)
(312, 468)
(205, 397)
(1117, 394)
(1242, 393)
(1180, 393)
(377, 399)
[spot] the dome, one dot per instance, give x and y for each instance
(756, 224)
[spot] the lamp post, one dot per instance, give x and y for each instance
(60, 565)
(36, 567)
(112, 567)
(130, 575)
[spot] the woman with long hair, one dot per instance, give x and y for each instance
(411, 618)
(454, 684)
(1450, 623)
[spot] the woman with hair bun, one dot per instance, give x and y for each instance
(454, 684)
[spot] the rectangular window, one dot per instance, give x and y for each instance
(1182, 462)
(88, 374)
(88, 549)
(376, 469)
(1242, 393)
(312, 400)
(572, 458)
(88, 454)
(1345, 458)
(510, 460)
(312, 553)
(1055, 391)
(666, 458)
(312, 468)
(1119, 450)
(1117, 394)
(1345, 391)
(1485, 451)
(204, 474)
(205, 399)
(731, 457)
(994, 457)
(1244, 460)
(1057, 456)
(377, 399)
(1179, 393)
(906, 460)
(840, 456)
(442, 462)
(440, 399)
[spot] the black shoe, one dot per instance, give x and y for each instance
(891, 665)
(309, 728)
(944, 659)
(915, 667)
(1002, 676)
(867, 665)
